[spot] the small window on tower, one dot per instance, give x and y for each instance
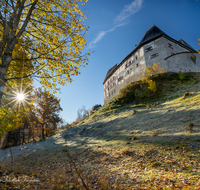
(148, 49)
(170, 46)
(154, 55)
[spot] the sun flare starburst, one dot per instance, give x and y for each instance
(20, 96)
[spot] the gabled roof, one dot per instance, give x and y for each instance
(183, 42)
(152, 34)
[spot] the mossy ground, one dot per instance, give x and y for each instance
(163, 154)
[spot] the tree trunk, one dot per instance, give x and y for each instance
(43, 137)
(23, 138)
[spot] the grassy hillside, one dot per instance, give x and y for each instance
(150, 142)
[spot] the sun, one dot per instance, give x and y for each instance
(20, 97)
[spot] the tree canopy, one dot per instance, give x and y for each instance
(51, 33)
(47, 110)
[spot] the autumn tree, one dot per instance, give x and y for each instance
(96, 107)
(150, 71)
(50, 32)
(82, 114)
(47, 109)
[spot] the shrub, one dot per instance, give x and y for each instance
(152, 85)
(155, 69)
(138, 105)
(190, 126)
(114, 111)
(148, 106)
(193, 58)
(133, 138)
(181, 75)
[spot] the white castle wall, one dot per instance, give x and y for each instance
(180, 61)
(183, 62)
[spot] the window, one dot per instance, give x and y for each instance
(133, 61)
(137, 65)
(120, 78)
(136, 58)
(154, 55)
(148, 49)
(114, 91)
(170, 46)
(128, 64)
(127, 72)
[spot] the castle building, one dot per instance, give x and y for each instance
(155, 47)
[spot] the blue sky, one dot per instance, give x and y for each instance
(115, 27)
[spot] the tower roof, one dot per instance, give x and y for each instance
(152, 33)
(186, 44)
(110, 71)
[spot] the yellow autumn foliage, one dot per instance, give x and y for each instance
(150, 71)
(152, 85)
(155, 69)
(51, 33)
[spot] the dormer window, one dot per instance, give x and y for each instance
(170, 45)
(148, 49)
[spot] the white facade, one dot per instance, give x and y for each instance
(172, 55)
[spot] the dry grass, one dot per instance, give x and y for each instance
(107, 159)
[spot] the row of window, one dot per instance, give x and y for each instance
(151, 48)
(113, 78)
(131, 62)
(120, 78)
(112, 93)
(111, 86)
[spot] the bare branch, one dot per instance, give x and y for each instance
(27, 19)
